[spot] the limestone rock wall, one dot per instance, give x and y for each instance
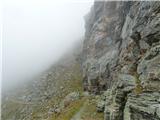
(121, 56)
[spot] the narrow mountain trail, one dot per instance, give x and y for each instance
(24, 103)
(78, 115)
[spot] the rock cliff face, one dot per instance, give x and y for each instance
(121, 58)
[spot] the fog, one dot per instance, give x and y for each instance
(36, 33)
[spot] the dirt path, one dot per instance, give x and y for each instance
(23, 103)
(77, 116)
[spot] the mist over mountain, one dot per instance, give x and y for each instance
(63, 69)
(36, 34)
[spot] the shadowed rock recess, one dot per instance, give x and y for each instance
(121, 59)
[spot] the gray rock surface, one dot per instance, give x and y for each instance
(142, 107)
(121, 56)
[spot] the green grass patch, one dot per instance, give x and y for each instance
(138, 88)
(90, 112)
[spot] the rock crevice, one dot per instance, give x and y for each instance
(121, 58)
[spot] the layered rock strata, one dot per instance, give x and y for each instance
(121, 57)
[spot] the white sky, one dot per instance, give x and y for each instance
(37, 32)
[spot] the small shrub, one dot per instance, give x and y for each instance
(138, 89)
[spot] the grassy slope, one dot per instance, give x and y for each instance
(70, 78)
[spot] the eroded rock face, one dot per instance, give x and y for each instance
(101, 45)
(145, 106)
(121, 54)
(149, 69)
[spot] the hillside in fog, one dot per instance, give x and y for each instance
(109, 71)
(36, 34)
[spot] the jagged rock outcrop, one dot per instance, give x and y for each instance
(101, 45)
(121, 56)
